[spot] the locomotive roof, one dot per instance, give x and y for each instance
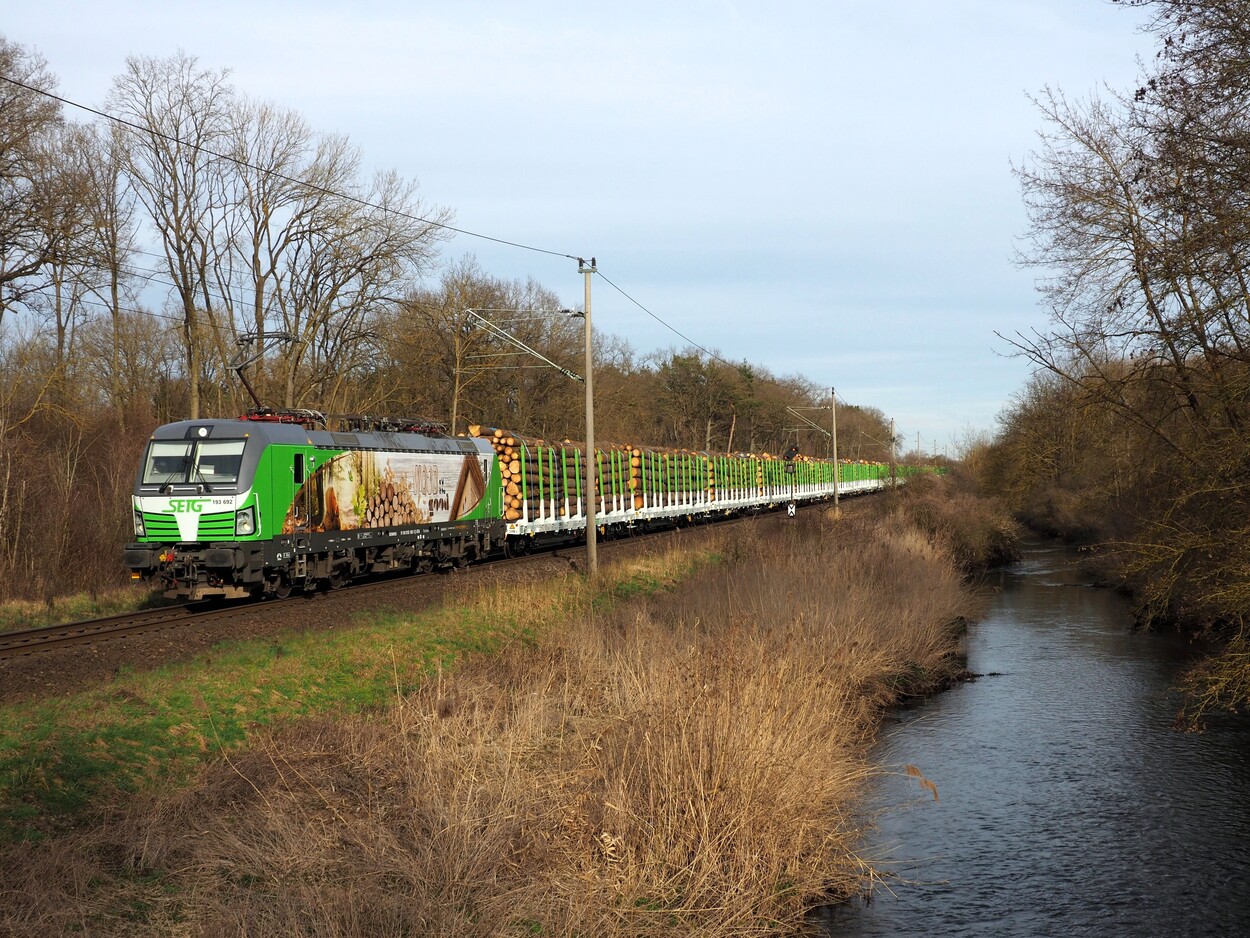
(295, 435)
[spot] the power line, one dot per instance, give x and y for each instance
(144, 274)
(43, 292)
(272, 172)
(670, 328)
(359, 201)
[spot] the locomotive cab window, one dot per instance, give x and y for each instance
(212, 461)
(218, 461)
(167, 461)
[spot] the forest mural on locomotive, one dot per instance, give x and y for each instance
(364, 489)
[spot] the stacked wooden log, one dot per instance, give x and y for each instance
(391, 503)
(674, 471)
(552, 472)
(541, 479)
(636, 486)
(390, 500)
(651, 472)
(508, 448)
(683, 471)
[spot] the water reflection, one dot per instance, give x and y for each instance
(1068, 804)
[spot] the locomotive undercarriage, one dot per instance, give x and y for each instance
(278, 568)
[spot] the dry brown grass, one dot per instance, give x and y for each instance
(683, 765)
(978, 532)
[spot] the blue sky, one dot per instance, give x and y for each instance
(822, 189)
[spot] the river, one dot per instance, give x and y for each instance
(1067, 803)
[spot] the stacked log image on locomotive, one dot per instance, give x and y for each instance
(277, 501)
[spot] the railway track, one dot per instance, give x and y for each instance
(26, 642)
(47, 638)
(89, 631)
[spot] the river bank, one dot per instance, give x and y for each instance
(679, 753)
(1069, 804)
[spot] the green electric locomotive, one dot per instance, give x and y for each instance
(234, 508)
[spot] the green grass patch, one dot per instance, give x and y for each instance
(18, 615)
(651, 580)
(60, 757)
(640, 584)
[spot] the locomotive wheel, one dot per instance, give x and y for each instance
(281, 588)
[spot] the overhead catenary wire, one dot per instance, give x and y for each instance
(278, 175)
(137, 128)
(668, 326)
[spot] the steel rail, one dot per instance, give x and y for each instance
(48, 637)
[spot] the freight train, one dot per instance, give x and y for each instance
(275, 501)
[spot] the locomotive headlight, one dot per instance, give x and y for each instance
(139, 529)
(245, 522)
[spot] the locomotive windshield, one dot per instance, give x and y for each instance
(215, 462)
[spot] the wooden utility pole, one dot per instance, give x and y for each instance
(837, 470)
(893, 468)
(592, 547)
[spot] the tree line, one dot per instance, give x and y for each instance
(1132, 433)
(267, 246)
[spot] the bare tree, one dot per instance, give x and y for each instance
(440, 344)
(274, 153)
(111, 215)
(535, 394)
(357, 254)
(61, 174)
(697, 397)
(1141, 219)
(133, 362)
(27, 116)
(182, 113)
